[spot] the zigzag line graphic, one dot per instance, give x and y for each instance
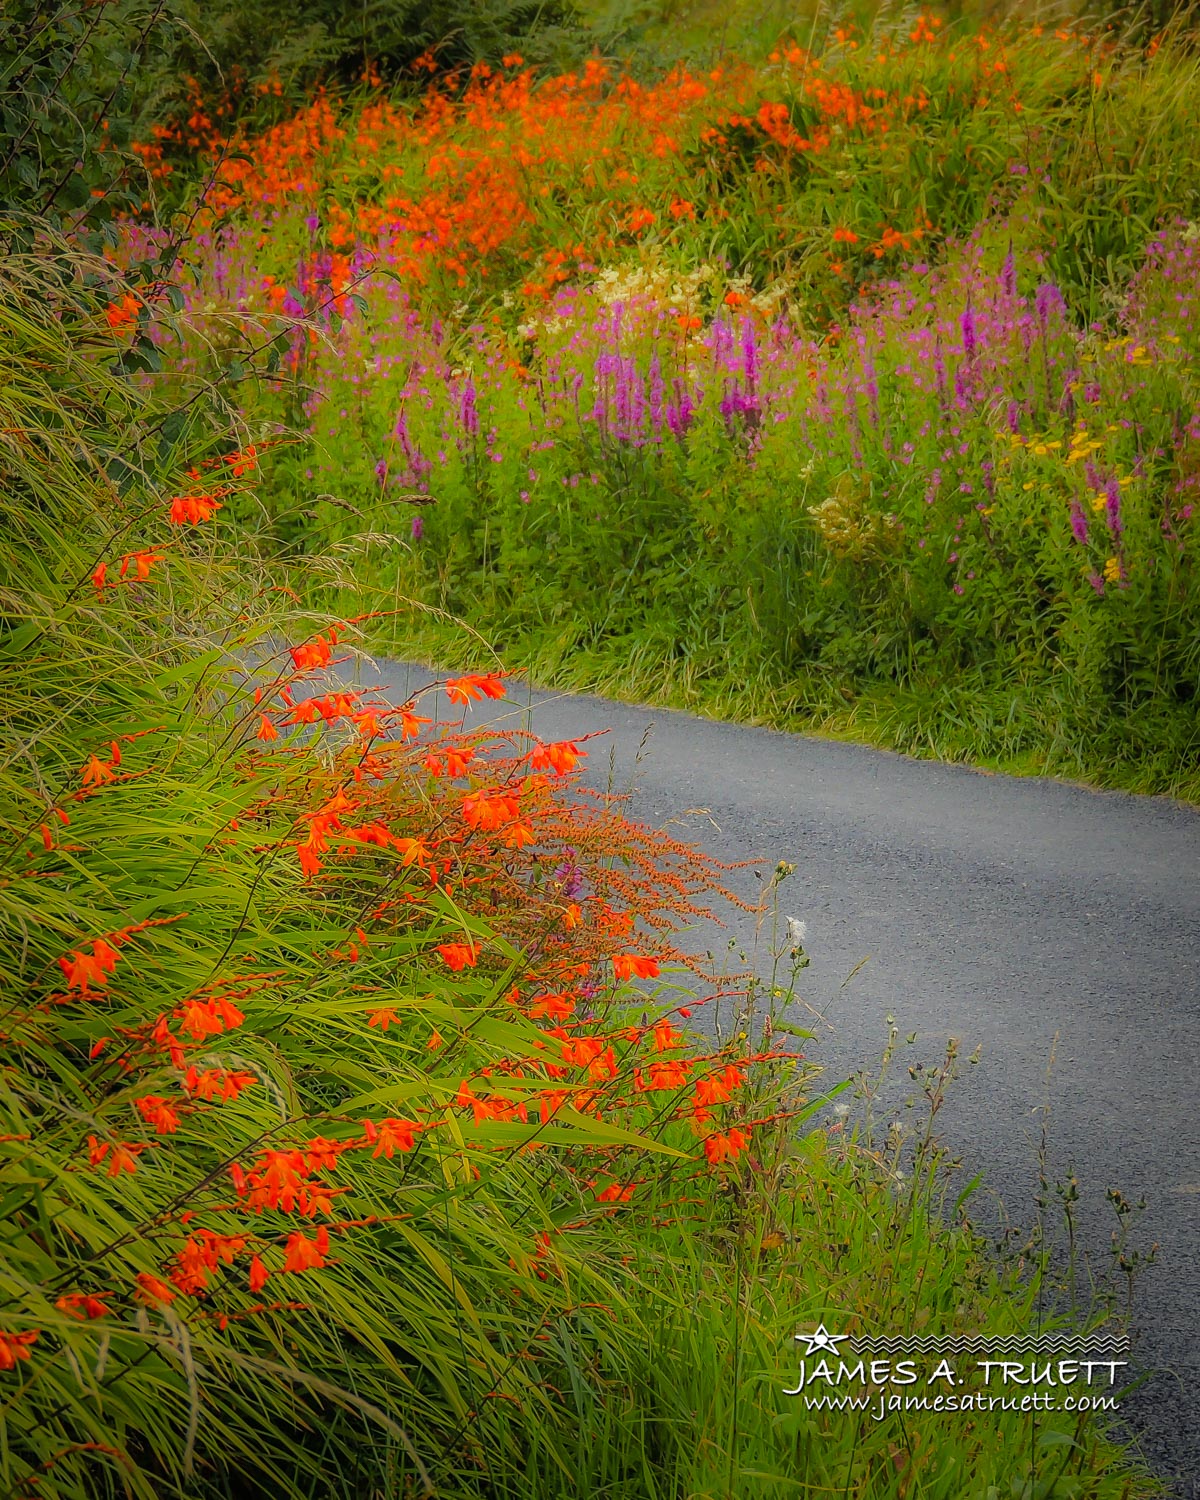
(993, 1344)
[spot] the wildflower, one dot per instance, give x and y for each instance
(193, 509)
(83, 969)
(1112, 570)
(152, 1292)
(203, 1018)
(719, 1147)
(383, 1018)
(459, 955)
(562, 756)
(142, 561)
(213, 1083)
(157, 1112)
(391, 1136)
(315, 653)
(266, 730)
(615, 1193)
(120, 315)
(410, 723)
(464, 689)
(718, 1088)
(81, 1305)
(629, 965)
(15, 1346)
(123, 1156)
(98, 771)
(489, 810)
(306, 1255)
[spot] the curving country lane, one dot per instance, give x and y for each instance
(1030, 918)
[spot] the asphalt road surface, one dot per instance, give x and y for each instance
(1025, 917)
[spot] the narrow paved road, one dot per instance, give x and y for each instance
(1003, 912)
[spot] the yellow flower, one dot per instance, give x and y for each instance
(1112, 570)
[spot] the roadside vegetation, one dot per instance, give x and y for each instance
(364, 1128)
(862, 374)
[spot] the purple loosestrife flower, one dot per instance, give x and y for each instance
(418, 528)
(570, 875)
(967, 324)
(1047, 300)
(381, 470)
(939, 366)
(657, 389)
(1008, 275)
(468, 412)
(1079, 525)
(1112, 507)
(749, 355)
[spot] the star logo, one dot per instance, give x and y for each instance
(822, 1340)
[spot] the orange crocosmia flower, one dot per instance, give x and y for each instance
(212, 1083)
(557, 1007)
(392, 1136)
(573, 915)
(193, 509)
(435, 1041)
(383, 1018)
(97, 771)
(718, 1147)
(562, 756)
(413, 850)
(668, 1075)
(121, 314)
(489, 810)
(266, 730)
(451, 762)
(630, 965)
(307, 1255)
(410, 723)
(518, 835)
(203, 1018)
(258, 1274)
(143, 561)
(665, 1036)
(316, 653)
(157, 1112)
(81, 1305)
(464, 689)
(98, 577)
(718, 1088)
(614, 1193)
(459, 955)
(123, 1156)
(15, 1346)
(152, 1292)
